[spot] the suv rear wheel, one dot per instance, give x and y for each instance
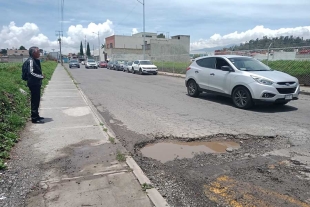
(192, 88)
(140, 71)
(242, 98)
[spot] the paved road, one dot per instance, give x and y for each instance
(159, 105)
(137, 108)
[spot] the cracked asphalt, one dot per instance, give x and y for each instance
(159, 106)
(271, 168)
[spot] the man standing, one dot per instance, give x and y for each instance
(34, 83)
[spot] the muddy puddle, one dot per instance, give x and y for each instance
(167, 151)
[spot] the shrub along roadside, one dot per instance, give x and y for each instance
(14, 105)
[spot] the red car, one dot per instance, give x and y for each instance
(103, 64)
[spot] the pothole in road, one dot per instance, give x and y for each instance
(168, 151)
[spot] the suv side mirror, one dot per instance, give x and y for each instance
(227, 68)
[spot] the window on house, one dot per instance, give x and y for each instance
(111, 45)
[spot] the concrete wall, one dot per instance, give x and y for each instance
(130, 42)
(174, 50)
(150, 34)
(127, 54)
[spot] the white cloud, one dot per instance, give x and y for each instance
(29, 35)
(134, 31)
(241, 37)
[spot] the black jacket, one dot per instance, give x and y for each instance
(34, 72)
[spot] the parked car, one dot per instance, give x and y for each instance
(128, 66)
(119, 65)
(103, 64)
(110, 65)
(144, 67)
(74, 63)
(91, 63)
(246, 80)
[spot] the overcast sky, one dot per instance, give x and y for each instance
(209, 23)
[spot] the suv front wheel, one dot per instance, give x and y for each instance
(242, 98)
(192, 88)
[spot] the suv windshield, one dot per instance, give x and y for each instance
(91, 60)
(145, 62)
(249, 64)
(73, 61)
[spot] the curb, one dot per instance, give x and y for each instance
(153, 193)
(305, 93)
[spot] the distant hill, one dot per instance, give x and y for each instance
(277, 42)
(211, 49)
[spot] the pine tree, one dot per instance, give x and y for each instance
(88, 50)
(81, 49)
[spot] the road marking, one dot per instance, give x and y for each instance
(227, 191)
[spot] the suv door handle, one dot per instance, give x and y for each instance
(212, 74)
(196, 71)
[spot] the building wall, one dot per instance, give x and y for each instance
(18, 52)
(126, 54)
(174, 50)
(130, 42)
(147, 35)
(110, 40)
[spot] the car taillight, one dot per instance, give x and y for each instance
(188, 68)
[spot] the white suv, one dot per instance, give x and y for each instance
(246, 80)
(144, 67)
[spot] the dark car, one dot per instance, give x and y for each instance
(110, 65)
(74, 63)
(103, 64)
(119, 65)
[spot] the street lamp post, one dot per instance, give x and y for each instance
(98, 44)
(143, 3)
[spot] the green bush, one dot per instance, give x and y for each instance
(15, 106)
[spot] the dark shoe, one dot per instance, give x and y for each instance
(37, 121)
(40, 118)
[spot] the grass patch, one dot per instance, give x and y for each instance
(112, 140)
(15, 106)
(146, 186)
(105, 129)
(120, 157)
(172, 67)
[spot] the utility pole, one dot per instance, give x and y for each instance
(58, 33)
(85, 47)
(98, 44)
(143, 3)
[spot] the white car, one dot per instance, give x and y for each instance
(144, 67)
(90, 63)
(246, 80)
(128, 67)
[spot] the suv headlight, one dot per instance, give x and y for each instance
(262, 80)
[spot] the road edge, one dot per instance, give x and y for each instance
(153, 194)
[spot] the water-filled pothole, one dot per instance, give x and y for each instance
(167, 151)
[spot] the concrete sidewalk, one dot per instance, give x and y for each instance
(80, 162)
(305, 90)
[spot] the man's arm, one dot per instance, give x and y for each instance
(32, 72)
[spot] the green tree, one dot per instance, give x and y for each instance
(88, 50)
(22, 48)
(161, 35)
(81, 49)
(3, 52)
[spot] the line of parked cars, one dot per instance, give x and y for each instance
(138, 66)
